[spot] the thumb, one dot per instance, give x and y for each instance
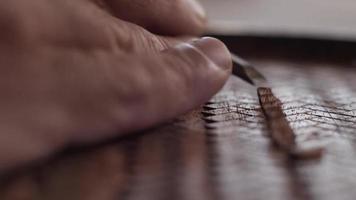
(176, 81)
(138, 91)
(130, 92)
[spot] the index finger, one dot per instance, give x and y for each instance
(172, 17)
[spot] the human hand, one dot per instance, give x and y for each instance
(79, 71)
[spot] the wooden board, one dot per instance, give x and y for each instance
(222, 150)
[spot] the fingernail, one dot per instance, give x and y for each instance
(199, 10)
(215, 50)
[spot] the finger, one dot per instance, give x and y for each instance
(135, 39)
(174, 82)
(176, 17)
(157, 88)
(122, 93)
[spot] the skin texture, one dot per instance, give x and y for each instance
(81, 71)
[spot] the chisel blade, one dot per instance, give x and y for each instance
(248, 73)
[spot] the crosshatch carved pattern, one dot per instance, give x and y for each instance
(319, 100)
(320, 104)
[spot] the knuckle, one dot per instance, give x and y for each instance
(135, 39)
(146, 42)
